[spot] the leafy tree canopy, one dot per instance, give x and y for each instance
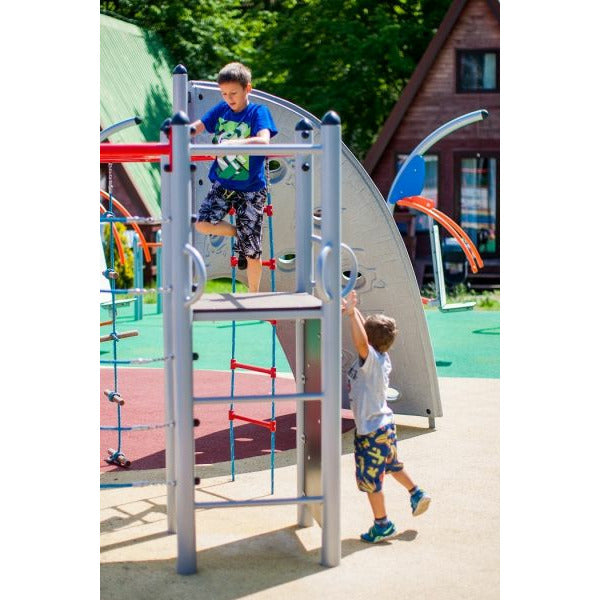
(352, 56)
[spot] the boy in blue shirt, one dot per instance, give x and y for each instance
(238, 181)
(375, 451)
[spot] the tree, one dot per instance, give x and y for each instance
(352, 56)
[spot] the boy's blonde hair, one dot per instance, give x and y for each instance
(236, 72)
(381, 332)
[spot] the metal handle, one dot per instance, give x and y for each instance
(321, 268)
(105, 133)
(319, 272)
(201, 270)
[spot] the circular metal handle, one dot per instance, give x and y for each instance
(201, 270)
(321, 267)
(320, 271)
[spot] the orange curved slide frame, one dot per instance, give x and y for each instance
(118, 243)
(427, 206)
(126, 213)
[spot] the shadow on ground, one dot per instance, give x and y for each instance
(228, 571)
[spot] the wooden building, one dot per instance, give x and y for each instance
(458, 73)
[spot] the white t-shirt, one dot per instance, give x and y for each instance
(368, 382)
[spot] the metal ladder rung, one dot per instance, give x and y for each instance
(258, 398)
(261, 502)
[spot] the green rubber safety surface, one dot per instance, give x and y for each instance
(211, 340)
(465, 344)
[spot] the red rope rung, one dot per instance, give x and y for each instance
(270, 425)
(237, 365)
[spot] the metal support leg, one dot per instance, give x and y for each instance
(182, 344)
(304, 262)
(167, 281)
(331, 341)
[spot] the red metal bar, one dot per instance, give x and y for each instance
(132, 152)
(237, 365)
(143, 152)
(270, 425)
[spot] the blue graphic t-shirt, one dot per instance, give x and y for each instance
(238, 172)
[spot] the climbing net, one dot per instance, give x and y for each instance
(108, 216)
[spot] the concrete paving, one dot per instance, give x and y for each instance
(450, 552)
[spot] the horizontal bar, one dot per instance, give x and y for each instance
(139, 291)
(254, 149)
(265, 502)
(257, 398)
(128, 152)
(139, 220)
(138, 361)
(138, 427)
(134, 484)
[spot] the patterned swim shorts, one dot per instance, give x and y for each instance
(375, 454)
(249, 207)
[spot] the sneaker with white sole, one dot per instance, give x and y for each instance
(419, 502)
(378, 534)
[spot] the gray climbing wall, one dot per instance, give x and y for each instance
(387, 281)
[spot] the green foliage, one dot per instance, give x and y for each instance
(486, 300)
(125, 279)
(352, 56)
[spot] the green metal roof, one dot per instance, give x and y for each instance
(135, 79)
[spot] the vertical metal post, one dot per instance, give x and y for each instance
(138, 279)
(331, 340)
(180, 84)
(159, 277)
(304, 196)
(304, 263)
(164, 260)
(182, 344)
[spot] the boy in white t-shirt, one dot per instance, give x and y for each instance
(375, 451)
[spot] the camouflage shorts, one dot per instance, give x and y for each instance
(249, 207)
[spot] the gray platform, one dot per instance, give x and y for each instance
(262, 305)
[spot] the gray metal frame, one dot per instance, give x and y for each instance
(180, 306)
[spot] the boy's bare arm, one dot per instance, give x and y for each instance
(198, 126)
(357, 329)
(262, 137)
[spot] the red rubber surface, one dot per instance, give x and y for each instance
(143, 392)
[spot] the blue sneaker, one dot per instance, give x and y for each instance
(419, 502)
(378, 534)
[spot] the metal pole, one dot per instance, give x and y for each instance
(331, 341)
(182, 345)
(159, 276)
(165, 258)
(304, 262)
(180, 85)
(138, 278)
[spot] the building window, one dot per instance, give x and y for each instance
(479, 201)
(477, 71)
(430, 187)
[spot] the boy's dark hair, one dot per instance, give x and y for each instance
(381, 332)
(236, 72)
